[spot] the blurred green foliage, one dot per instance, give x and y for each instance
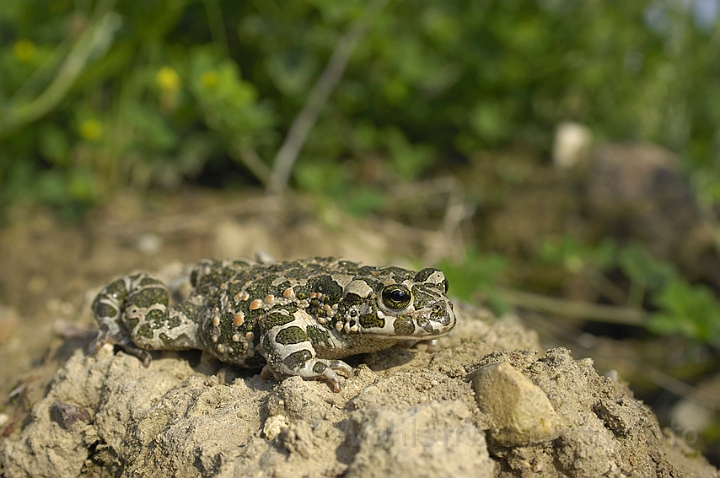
(101, 95)
(679, 307)
(475, 275)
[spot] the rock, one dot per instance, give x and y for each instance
(571, 145)
(65, 414)
(636, 191)
(688, 414)
(429, 440)
(521, 412)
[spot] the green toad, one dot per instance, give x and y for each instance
(293, 318)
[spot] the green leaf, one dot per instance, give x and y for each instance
(477, 272)
(687, 310)
(408, 160)
(636, 262)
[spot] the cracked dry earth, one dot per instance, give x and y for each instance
(486, 403)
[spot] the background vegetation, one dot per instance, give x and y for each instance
(101, 95)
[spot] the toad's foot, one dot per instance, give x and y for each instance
(313, 369)
(106, 337)
(431, 344)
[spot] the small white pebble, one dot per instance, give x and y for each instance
(149, 244)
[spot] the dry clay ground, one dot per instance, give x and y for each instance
(489, 402)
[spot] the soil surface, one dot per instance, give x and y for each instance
(490, 401)
(405, 413)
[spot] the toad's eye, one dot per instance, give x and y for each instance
(446, 285)
(396, 296)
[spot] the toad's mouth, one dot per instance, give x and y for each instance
(400, 338)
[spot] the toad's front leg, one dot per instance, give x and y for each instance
(289, 351)
(133, 312)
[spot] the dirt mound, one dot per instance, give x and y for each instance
(405, 412)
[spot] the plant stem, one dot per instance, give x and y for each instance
(305, 120)
(574, 310)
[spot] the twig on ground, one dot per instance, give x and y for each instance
(305, 120)
(249, 157)
(574, 310)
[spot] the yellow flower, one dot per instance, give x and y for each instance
(209, 79)
(168, 79)
(24, 50)
(91, 130)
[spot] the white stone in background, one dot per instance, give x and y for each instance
(572, 144)
(149, 244)
(688, 415)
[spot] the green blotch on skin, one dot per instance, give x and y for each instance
(145, 331)
(421, 298)
(234, 289)
(156, 318)
(371, 320)
(291, 335)
(296, 360)
(262, 287)
(294, 273)
(147, 297)
(329, 287)
(318, 336)
(319, 368)
(366, 271)
(397, 273)
(173, 322)
(348, 265)
(423, 275)
(316, 308)
(150, 281)
(404, 326)
(117, 290)
(352, 298)
(189, 311)
(105, 310)
(275, 319)
(169, 342)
